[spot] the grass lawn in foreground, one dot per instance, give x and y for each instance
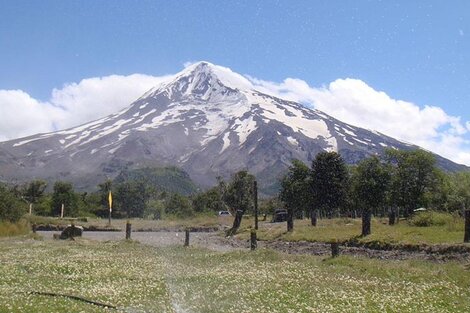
(137, 278)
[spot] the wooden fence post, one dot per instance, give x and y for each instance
(186, 237)
(128, 230)
(334, 249)
(467, 226)
(313, 217)
(253, 243)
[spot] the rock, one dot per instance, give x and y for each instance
(71, 231)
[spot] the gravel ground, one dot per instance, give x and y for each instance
(214, 241)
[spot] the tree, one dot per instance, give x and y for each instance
(63, 193)
(11, 209)
(131, 198)
(210, 200)
(370, 183)
(102, 207)
(179, 206)
(238, 195)
(414, 177)
(459, 194)
(34, 191)
(329, 182)
(295, 191)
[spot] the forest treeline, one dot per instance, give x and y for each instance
(397, 183)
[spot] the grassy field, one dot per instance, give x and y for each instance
(450, 231)
(137, 278)
(340, 229)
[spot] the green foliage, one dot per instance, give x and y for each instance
(329, 181)
(43, 206)
(63, 193)
(432, 218)
(169, 179)
(414, 178)
(295, 187)
(459, 191)
(238, 193)
(370, 183)
(154, 210)
(11, 208)
(268, 206)
(34, 190)
(8, 229)
(104, 189)
(89, 205)
(210, 200)
(130, 198)
(179, 205)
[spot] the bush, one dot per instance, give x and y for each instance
(431, 218)
(11, 209)
(14, 229)
(179, 206)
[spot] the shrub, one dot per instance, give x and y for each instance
(14, 229)
(431, 218)
(11, 209)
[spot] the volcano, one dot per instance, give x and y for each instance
(206, 120)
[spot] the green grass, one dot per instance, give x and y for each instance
(328, 230)
(8, 229)
(137, 278)
(124, 274)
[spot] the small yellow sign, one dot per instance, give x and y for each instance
(110, 200)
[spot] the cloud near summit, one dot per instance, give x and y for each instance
(354, 102)
(349, 100)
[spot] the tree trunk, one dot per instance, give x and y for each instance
(290, 219)
(313, 217)
(236, 223)
(255, 200)
(334, 249)
(128, 230)
(391, 216)
(366, 217)
(253, 242)
(467, 226)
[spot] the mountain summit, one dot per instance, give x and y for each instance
(206, 119)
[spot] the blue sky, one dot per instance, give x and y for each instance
(415, 51)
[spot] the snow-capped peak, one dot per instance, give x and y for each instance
(202, 79)
(225, 75)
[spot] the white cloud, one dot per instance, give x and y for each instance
(22, 115)
(72, 105)
(354, 102)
